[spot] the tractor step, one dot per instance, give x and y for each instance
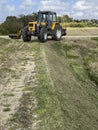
(14, 36)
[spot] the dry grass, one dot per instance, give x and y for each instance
(82, 31)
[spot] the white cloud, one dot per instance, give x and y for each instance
(10, 8)
(6, 9)
(96, 7)
(77, 14)
(26, 4)
(78, 9)
(87, 9)
(82, 5)
(56, 5)
(96, 14)
(3, 1)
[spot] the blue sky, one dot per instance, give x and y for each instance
(78, 9)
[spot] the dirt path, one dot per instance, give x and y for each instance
(77, 33)
(5, 37)
(17, 80)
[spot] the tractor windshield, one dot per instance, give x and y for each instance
(42, 17)
(46, 17)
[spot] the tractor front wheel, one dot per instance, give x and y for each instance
(25, 35)
(57, 33)
(43, 35)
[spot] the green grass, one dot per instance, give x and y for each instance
(8, 94)
(6, 109)
(27, 88)
(95, 38)
(6, 105)
(72, 56)
(47, 96)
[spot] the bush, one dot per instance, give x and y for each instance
(11, 25)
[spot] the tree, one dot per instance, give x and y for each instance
(11, 25)
(59, 19)
(28, 18)
(67, 18)
(94, 21)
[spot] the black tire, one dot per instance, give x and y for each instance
(57, 33)
(25, 35)
(43, 35)
(38, 37)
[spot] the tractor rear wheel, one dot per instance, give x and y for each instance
(57, 33)
(25, 35)
(43, 35)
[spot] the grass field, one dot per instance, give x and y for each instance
(49, 86)
(82, 31)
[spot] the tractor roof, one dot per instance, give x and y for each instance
(47, 12)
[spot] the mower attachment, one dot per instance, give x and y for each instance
(14, 36)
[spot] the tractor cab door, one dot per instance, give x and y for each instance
(52, 19)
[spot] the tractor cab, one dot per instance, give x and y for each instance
(47, 18)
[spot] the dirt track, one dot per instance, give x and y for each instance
(77, 33)
(17, 79)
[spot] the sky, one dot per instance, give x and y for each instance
(78, 9)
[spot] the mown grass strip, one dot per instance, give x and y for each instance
(49, 109)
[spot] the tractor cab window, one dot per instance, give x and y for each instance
(53, 18)
(47, 17)
(43, 17)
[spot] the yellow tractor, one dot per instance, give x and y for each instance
(45, 26)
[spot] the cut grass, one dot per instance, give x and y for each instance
(49, 109)
(67, 102)
(67, 97)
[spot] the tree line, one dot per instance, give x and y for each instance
(13, 24)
